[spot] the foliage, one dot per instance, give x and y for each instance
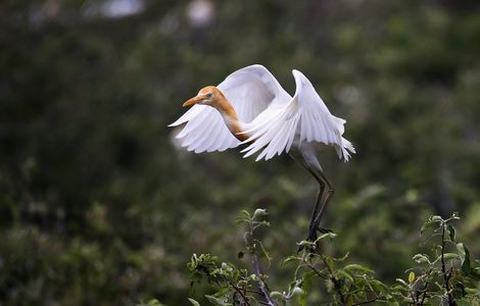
(447, 279)
(446, 275)
(237, 286)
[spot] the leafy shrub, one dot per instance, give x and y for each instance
(443, 275)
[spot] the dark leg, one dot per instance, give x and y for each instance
(312, 229)
(308, 161)
(325, 200)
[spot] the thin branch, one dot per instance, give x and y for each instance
(262, 286)
(366, 302)
(424, 294)
(244, 298)
(414, 298)
(316, 271)
(446, 276)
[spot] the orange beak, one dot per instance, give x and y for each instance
(193, 101)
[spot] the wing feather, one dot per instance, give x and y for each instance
(202, 141)
(250, 90)
(274, 119)
(304, 118)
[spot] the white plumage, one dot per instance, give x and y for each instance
(271, 119)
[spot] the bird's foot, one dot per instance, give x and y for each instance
(324, 230)
(312, 232)
(311, 244)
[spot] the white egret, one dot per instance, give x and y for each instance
(250, 107)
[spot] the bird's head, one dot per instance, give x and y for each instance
(207, 96)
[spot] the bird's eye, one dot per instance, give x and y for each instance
(209, 95)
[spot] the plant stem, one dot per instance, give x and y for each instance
(365, 302)
(262, 286)
(446, 276)
(424, 294)
(315, 270)
(244, 298)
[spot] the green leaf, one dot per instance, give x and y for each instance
(378, 285)
(290, 259)
(350, 300)
(307, 280)
(217, 301)
(194, 303)
(345, 275)
(451, 256)
(276, 294)
(431, 222)
(305, 243)
(153, 302)
(357, 267)
(330, 262)
(343, 257)
(259, 212)
(473, 291)
(453, 217)
(297, 291)
(401, 281)
(466, 268)
(244, 217)
(421, 258)
(330, 235)
(451, 232)
(411, 277)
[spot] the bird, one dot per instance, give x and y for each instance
(252, 109)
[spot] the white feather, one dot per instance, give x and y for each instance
(273, 120)
(305, 118)
(250, 90)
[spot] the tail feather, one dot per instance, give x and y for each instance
(346, 150)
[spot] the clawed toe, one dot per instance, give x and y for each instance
(324, 230)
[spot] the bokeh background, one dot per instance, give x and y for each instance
(99, 205)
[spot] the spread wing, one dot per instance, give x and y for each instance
(304, 118)
(250, 90)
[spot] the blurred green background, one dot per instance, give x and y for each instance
(99, 206)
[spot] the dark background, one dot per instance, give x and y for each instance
(98, 206)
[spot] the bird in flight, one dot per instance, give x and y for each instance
(251, 108)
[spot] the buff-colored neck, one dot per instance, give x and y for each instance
(229, 115)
